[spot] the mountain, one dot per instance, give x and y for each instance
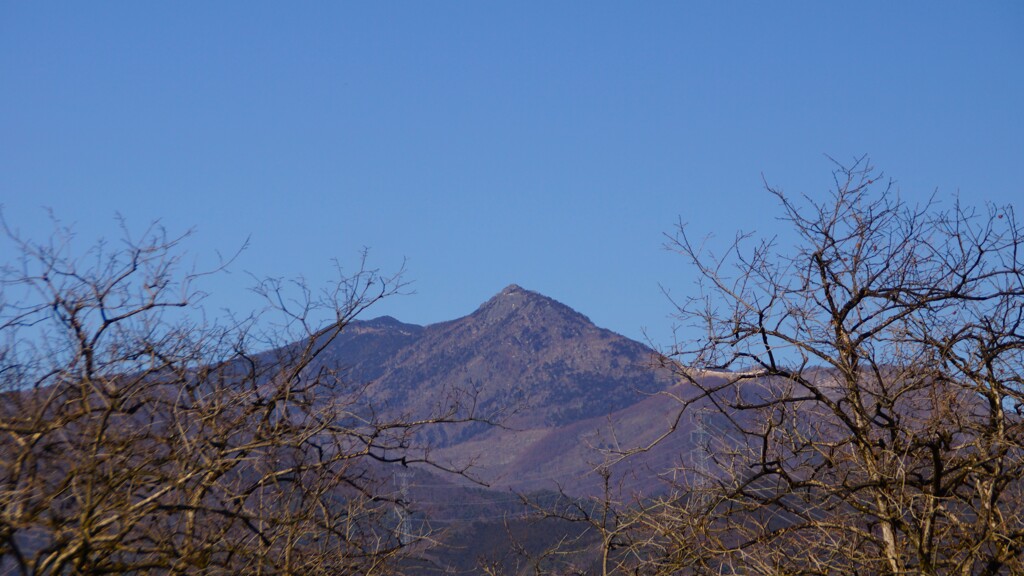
(564, 388)
(520, 350)
(570, 395)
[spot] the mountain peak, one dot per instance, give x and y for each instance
(516, 301)
(513, 294)
(520, 351)
(383, 321)
(512, 289)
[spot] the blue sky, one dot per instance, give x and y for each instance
(545, 144)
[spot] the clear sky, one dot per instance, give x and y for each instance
(545, 144)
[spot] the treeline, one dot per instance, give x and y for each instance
(864, 418)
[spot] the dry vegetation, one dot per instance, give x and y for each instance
(136, 439)
(858, 398)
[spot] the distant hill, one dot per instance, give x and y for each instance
(569, 395)
(518, 349)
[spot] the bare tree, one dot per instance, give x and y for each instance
(137, 437)
(865, 387)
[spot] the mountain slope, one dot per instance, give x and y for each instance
(571, 394)
(519, 350)
(555, 378)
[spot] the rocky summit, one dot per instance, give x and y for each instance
(569, 397)
(520, 351)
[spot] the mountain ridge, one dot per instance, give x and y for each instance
(550, 376)
(518, 346)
